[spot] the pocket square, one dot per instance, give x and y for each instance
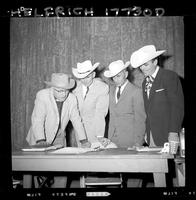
(160, 90)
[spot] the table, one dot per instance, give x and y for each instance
(109, 160)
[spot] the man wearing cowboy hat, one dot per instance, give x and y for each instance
(127, 114)
(93, 99)
(54, 107)
(163, 97)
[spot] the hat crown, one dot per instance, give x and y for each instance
(84, 66)
(116, 66)
(149, 49)
(145, 51)
(143, 55)
(60, 80)
(84, 69)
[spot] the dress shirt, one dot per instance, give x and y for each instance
(121, 90)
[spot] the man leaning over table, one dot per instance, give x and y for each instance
(93, 101)
(54, 107)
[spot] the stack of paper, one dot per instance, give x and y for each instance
(145, 149)
(149, 148)
(73, 150)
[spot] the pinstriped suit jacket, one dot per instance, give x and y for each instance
(165, 106)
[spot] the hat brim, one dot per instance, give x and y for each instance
(156, 54)
(83, 75)
(71, 85)
(110, 74)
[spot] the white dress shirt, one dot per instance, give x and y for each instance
(121, 90)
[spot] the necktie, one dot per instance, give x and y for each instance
(87, 89)
(118, 93)
(149, 81)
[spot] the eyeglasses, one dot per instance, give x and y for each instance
(60, 90)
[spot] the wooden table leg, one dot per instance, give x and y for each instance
(180, 174)
(27, 181)
(82, 181)
(159, 179)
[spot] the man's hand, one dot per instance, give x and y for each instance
(42, 143)
(173, 137)
(104, 141)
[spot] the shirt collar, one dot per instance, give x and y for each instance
(122, 86)
(155, 72)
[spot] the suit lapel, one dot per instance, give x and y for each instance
(80, 93)
(52, 99)
(155, 84)
(90, 88)
(145, 96)
(124, 92)
(145, 93)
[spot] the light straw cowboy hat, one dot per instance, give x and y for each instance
(61, 80)
(84, 69)
(144, 55)
(115, 68)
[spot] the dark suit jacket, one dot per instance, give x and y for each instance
(165, 106)
(127, 117)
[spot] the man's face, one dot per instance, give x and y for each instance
(88, 79)
(60, 93)
(120, 78)
(149, 67)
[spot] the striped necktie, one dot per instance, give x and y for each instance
(149, 81)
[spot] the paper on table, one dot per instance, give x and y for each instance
(73, 150)
(34, 148)
(146, 149)
(96, 145)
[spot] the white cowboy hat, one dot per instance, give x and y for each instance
(115, 68)
(61, 80)
(84, 69)
(143, 55)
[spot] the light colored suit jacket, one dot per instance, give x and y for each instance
(45, 117)
(127, 117)
(94, 108)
